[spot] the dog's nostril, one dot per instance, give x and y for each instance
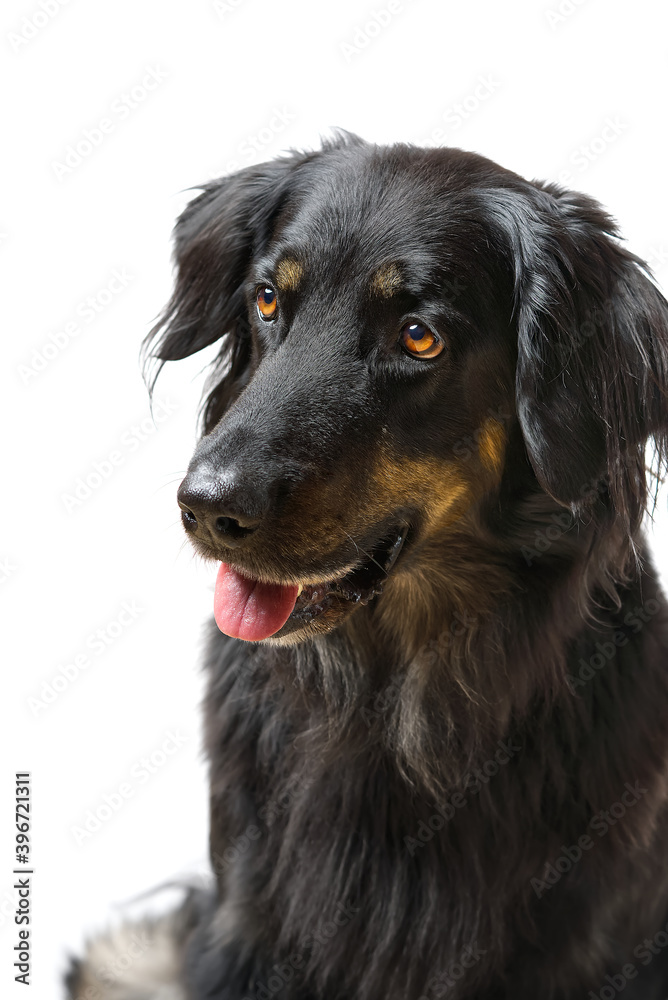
(223, 507)
(189, 519)
(230, 527)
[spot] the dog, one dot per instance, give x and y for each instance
(437, 701)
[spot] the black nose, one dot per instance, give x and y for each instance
(225, 507)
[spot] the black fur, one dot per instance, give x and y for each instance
(525, 636)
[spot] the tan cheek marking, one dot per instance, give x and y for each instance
(386, 281)
(492, 445)
(289, 273)
(439, 487)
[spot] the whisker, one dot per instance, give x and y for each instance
(165, 485)
(367, 554)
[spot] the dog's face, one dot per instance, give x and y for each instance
(380, 326)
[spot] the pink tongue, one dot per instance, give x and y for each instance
(248, 609)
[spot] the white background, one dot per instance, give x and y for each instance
(232, 85)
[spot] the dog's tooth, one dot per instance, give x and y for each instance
(301, 587)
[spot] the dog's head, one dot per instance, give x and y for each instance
(405, 335)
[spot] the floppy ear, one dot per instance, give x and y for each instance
(214, 240)
(592, 338)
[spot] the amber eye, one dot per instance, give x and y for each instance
(267, 305)
(419, 341)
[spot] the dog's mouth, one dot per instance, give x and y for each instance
(252, 610)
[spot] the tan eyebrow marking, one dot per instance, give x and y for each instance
(288, 274)
(386, 280)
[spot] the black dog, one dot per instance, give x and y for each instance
(439, 764)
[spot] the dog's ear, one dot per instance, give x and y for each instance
(592, 338)
(215, 239)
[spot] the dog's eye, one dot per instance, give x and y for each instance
(420, 341)
(267, 304)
